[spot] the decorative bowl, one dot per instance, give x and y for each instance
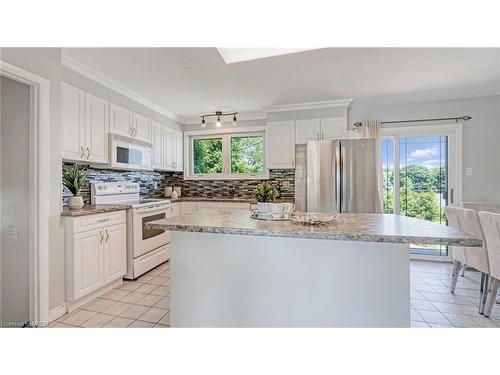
(313, 219)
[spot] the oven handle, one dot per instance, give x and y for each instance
(158, 208)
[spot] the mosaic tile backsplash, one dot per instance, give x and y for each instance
(153, 183)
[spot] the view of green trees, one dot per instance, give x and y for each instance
(419, 188)
(247, 154)
(207, 155)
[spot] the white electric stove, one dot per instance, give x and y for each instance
(146, 248)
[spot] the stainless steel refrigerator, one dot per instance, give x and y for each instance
(342, 176)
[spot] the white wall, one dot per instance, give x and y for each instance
(46, 62)
(481, 136)
(14, 200)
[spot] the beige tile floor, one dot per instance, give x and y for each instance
(146, 302)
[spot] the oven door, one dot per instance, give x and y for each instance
(144, 239)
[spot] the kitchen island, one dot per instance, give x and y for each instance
(229, 270)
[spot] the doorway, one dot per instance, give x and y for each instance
(24, 193)
(421, 167)
(14, 202)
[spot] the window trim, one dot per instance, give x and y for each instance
(226, 135)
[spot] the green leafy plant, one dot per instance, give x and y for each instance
(266, 192)
(74, 179)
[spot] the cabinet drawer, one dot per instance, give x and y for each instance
(90, 222)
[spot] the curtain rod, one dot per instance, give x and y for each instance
(464, 118)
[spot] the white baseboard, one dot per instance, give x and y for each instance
(57, 312)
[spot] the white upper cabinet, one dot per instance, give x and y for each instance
(320, 129)
(73, 122)
(121, 121)
(84, 119)
(307, 130)
(333, 128)
(142, 128)
(167, 148)
(158, 143)
(176, 150)
(280, 144)
(96, 128)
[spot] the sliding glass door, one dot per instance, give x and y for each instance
(419, 176)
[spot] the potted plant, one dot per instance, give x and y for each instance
(265, 193)
(74, 179)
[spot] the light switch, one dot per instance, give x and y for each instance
(468, 171)
(286, 184)
(12, 232)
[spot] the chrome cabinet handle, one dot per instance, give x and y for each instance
(103, 220)
(451, 195)
(107, 235)
(130, 130)
(293, 162)
(83, 152)
(322, 136)
(102, 236)
(134, 131)
(88, 153)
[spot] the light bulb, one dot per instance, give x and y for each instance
(218, 123)
(235, 122)
(203, 124)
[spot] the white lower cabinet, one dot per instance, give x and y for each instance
(96, 251)
(176, 209)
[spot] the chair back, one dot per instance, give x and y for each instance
(491, 227)
(468, 222)
(482, 206)
(452, 215)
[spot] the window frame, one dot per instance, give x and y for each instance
(226, 135)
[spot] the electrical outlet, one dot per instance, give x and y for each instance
(286, 184)
(12, 232)
(468, 171)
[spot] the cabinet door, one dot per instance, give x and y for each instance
(142, 126)
(188, 208)
(180, 152)
(115, 252)
(280, 145)
(307, 130)
(158, 153)
(72, 122)
(87, 266)
(120, 121)
(96, 128)
(176, 209)
(167, 144)
(176, 150)
(333, 128)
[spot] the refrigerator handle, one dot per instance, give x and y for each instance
(343, 173)
(337, 178)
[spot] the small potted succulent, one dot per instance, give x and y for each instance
(265, 193)
(74, 179)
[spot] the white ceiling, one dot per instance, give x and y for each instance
(191, 81)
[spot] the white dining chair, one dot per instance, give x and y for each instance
(491, 228)
(482, 206)
(467, 220)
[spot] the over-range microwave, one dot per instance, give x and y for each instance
(128, 153)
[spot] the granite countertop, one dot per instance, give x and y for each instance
(225, 199)
(92, 209)
(349, 227)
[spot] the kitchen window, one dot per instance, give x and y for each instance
(237, 155)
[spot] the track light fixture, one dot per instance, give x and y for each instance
(218, 122)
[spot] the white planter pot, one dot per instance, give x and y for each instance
(75, 203)
(264, 208)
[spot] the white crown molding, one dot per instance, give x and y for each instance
(84, 70)
(345, 103)
(242, 116)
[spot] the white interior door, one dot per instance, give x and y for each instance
(421, 173)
